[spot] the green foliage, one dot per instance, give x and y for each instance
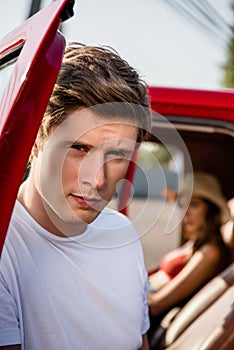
(228, 80)
(153, 154)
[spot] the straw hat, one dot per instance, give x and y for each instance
(208, 187)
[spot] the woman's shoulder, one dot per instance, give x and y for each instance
(216, 254)
(212, 253)
(211, 249)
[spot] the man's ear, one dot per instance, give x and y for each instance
(35, 149)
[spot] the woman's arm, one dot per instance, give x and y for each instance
(158, 279)
(199, 269)
(145, 344)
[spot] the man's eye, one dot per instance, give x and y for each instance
(79, 148)
(117, 154)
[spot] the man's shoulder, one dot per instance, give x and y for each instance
(19, 217)
(21, 224)
(19, 210)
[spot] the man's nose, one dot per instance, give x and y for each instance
(100, 178)
(93, 171)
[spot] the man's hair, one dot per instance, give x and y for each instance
(97, 77)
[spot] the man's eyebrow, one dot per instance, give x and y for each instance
(81, 143)
(110, 146)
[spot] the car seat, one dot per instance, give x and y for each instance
(204, 320)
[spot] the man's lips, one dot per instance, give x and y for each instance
(86, 202)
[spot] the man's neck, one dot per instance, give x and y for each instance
(31, 200)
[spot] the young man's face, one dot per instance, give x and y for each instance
(81, 164)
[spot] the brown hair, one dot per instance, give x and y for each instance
(92, 76)
(211, 233)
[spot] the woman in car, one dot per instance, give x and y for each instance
(203, 253)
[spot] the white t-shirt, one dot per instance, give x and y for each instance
(84, 292)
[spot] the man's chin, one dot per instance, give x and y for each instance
(86, 216)
(71, 215)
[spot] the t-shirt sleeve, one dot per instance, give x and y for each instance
(9, 324)
(146, 322)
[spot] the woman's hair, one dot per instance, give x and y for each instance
(94, 76)
(210, 232)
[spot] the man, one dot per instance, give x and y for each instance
(72, 271)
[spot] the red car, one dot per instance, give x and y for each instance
(193, 129)
(197, 126)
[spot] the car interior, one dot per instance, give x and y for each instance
(207, 319)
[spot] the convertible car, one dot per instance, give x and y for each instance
(191, 130)
(197, 129)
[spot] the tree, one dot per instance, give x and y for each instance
(228, 80)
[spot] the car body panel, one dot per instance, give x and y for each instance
(205, 121)
(38, 47)
(204, 104)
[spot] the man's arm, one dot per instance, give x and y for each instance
(10, 333)
(145, 344)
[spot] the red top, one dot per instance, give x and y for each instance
(173, 262)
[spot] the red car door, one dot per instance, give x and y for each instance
(36, 47)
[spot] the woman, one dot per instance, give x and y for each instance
(203, 253)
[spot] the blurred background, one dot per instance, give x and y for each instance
(171, 42)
